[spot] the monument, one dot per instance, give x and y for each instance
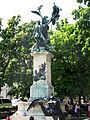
(41, 88)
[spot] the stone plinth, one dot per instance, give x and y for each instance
(40, 89)
(43, 87)
(20, 117)
(23, 114)
(40, 58)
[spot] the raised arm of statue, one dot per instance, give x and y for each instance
(38, 12)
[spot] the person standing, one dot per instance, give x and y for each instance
(77, 110)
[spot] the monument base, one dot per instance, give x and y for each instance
(20, 117)
(23, 114)
(40, 89)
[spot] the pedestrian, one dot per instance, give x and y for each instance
(31, 118)
(77, 110)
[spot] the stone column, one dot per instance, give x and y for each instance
(42, 88)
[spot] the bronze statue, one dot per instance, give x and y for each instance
(41, 74)
(41, 29)
(55, 14)
(53, 108)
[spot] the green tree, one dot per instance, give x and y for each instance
(83, 44)
(70, 67)
(1, 81)
(5, 53)
(63, 75)
(16, 61)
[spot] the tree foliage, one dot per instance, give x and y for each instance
(70, 67)
(63, 65)
(16, 61)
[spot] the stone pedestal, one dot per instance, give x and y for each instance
(23, 114)
(42, 88)
(20, 117)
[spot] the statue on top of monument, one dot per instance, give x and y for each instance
(41, 35)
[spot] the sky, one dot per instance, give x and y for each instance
(9, 8)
